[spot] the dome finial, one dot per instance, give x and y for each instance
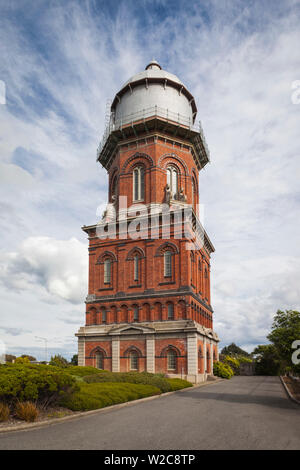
(153, 65)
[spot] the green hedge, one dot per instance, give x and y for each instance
(145, 378)
(82, 371)
(178, 384)
(34, 382)
(98, 395)
(222, 370)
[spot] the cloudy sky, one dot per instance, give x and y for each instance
(60, 62)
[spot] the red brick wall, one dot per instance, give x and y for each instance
(155, 155)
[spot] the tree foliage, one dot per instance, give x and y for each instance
(31, 358)
(285, 330)
(267, 360)
(22, 360)
(58, 361)
(74, 360)
(234, 351)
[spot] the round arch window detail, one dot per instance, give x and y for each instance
(172, 180)
(99, 360)
(171, 360)
(133, 360)
(138, 183)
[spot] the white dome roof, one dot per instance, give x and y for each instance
(151, 88)
(156, 72)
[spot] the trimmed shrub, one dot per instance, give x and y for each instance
(145, 378)
(233, 363)
(178, 384)
(98, 395)
(26, 411)
(34, 382)
(4, 412)
(82, 371)
(222, 370)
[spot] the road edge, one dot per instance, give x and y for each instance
(291, 397)
(29, 426)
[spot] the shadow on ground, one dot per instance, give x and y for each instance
(267, 394)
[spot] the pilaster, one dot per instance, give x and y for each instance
(115, 347)
(150, 353)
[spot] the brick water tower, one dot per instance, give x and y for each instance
(148, 306)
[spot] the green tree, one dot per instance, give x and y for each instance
(267, 360)
(234, 350)
(58, 361)
(285, 330)
(31, 358)
(74, 360)
(22, 360)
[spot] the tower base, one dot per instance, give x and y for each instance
(179, 349)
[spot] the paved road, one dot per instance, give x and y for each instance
(242, 413)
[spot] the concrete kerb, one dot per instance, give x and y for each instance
(288, 392)
(29, 426)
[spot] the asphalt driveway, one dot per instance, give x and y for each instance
(241, 413)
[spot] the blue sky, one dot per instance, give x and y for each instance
(60, 62)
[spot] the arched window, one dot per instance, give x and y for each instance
(135, 313)
(170, 311)
(99, 360)
(134, 360)
(167, 263)
(138, 183)
(171, 359)
(107, 271)
(172, 180)
(136, 267)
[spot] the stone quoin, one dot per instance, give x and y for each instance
(148, 306)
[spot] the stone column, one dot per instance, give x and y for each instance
(211, 358)
(205, 355)
(115, 361)
(81, 352)
(150, 353)
(192, 358)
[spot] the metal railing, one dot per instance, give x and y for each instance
(154, 111)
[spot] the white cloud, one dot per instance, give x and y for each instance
(60, 266)
(238, 61)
